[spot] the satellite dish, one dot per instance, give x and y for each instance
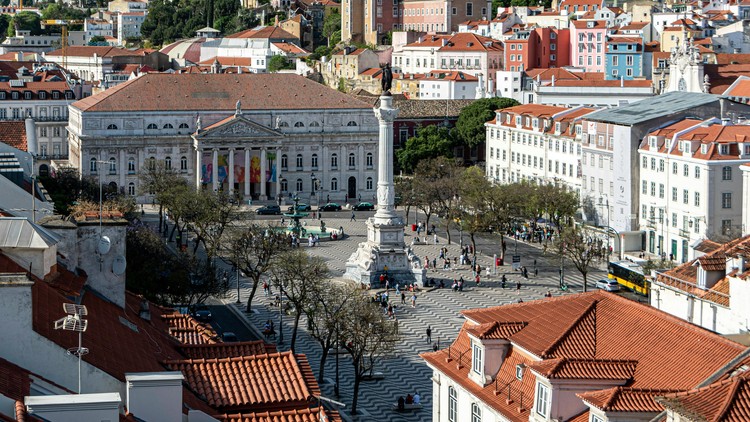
(119, 265)
(104, 245)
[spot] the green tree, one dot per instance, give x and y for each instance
(97, 40)
(5, 21)
(331, 25)
(61, 11)
(155, 178)
(430, 142)
(470, 129)
(279, 62)
(25, 21)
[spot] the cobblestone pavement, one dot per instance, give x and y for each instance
(438, 308)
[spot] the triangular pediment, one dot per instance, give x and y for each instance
(237, 127)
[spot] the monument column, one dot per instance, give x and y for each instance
(198, 167)
(386, 114)
(263, 179)
(215, 170)
(230, 178)
(247, 172)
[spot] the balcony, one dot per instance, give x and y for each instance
(685, 233)
(52, 157)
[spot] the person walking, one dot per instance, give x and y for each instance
(354, 217)
(435, 238)
(414, 300)
(403, 298)
(429, 334)
(518, 286)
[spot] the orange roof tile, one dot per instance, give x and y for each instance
(727, 400)
(267, 32)
(585, 24)
(187, 330)
(564, 368)
(623, 399)
(740, 89)
(494, 330)
(13, 133)
(227, 350)
(256, 382)
(90, 51)
(288, 47)
(294, 415)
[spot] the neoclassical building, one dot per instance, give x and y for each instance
(256, 136)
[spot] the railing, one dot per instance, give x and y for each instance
(36, 118)
(52, 157)
(685, 233)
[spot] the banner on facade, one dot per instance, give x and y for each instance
(271, 167)
(255, 169)
(223, 168)
(239, 168)
(207, 170)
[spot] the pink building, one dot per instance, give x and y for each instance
(587, 45)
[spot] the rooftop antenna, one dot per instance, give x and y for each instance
(74, 322)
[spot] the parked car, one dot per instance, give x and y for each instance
(364, 206)
(202, 313)
(608, 284)
(269, 210)
(331, 206)
(300, 207)
(229, 337)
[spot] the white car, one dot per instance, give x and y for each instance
(608, 284)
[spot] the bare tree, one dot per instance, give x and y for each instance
(156, 179)
(298, 276)
(209, 215)
(577, 244)
(368, 337)
(255, 249)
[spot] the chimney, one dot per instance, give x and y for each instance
(553, 80)
(155, 396)
(100, 266)
(622, 81)
(145, 312)
(31, 143)
(75, 407)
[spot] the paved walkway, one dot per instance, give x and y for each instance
(440, 309)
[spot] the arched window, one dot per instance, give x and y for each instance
(334, 184)
(112, 127)
(351, 123)
(369, 183)
(112, 165)
(334, 161)
(283, 124)
(184, 126)
(299, 185)
(299, 124)
(168, 163)
(152, 163)
(131, 189)
(368, 159)
(131, 165)
(284, 185)
(92, 165)
(299, 162)
(476, 413)
(152, 126)
(168, 126)
(183, 164)
(314, 161)
(352, 160)
(284, 162)
(452, 405)
(314, 124)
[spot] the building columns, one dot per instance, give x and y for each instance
(215, 170)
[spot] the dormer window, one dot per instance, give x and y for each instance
(507, 118)
(704, 149)
(557, 127)
(724, 149)
(578, 129)
(519, 371)
(535, 123)
(477, 362)
(542, 400)
(652, 142)
(518, 120)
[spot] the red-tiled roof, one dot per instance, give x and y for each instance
(595, 369)
(462, 41)
(90, 51)
(294, 415)
(712, 262)
(13, 133)
(183, 92)
(267, 32)
(288, 47)
(227, 350)
(257, 382)
(494, 330)
(228, 61)
(726, 401)
(585, 24)
(740, 89)
(623, 399)
(187, 330)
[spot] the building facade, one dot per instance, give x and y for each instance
(256, 136)
(537, 48)
(624, 58)
(587, 40)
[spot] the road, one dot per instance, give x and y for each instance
(224, 320)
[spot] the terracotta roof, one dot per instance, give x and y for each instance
(267, 32)
(13, 133)
(564, 368)
(712, 262)
(556, 72)
(634, 26)
(227, 350)
(726, 401)
(707, 246)
(741, 88)
(624, 40)
(631, 83)
(356, 52)
(450, 75)
(462, 41)
(187, 330)
(495, 330)
(585, 24)
(294, 415)
(623, 399)
(182, 92)
(90, 51)
(257, 382)
(290, 48)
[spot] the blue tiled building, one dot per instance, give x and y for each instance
(624, 58)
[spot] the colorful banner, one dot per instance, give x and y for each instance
(271, 167)
(239, 169)
(255, 169)
(206, 168)
(223, 168)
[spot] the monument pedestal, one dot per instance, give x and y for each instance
(385, 252)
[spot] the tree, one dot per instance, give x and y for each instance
(5, 21)
(475, 211)
(470, 130)
(368, 337)
(97, 40)
(298, 276)
(577, 244)
(210, 215)
(279, 62)
(156, 179)
(331, 25)
(404, 186)
(25, 21)
(66, 187)
(255, 250)
(430, 142)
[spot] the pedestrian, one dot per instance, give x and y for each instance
(359, 198)
(477, 279)
(434, 347)
(518, 286)
(346, 198)
(354, 217)
(328, 198)
(314, 215)
(414, 300)
(403, 298)
(429, 334)
(265, 288)
(487, 272)
(434, 263)
(435, 238)
(395, 323)
(536, 271)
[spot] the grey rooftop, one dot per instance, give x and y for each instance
(652, 108)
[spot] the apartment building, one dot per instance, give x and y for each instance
(587, 44)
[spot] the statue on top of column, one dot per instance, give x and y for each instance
(387, 79)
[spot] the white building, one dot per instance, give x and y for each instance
(267, 133)
(24, 41)
(535, 142)
(257, 45)
(465, 52)
(129, 25)
(711, 291)
(494, 28)
(447, 85)
(691, 184)
(89, 63)
(97, 27)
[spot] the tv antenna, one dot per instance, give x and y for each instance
(73, 321)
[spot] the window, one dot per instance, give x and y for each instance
(476, 358)
(299, 124)
(112, 127)
(519, 370)
(314, 124)
(685, 196)
(726, 173)
(152, 126)
(674, 194)
(334, 184)
(476, 413)
(168, 163)
(352, 122)
(43, 132)
(368, 160)
(645, 162)
(334, 161)
(92, 165)
(131, 189)
(661, 165)
(168, 126)
(595, 418)
(368, 183)
(653, 188)
(644, 187)
(653, 163)
(674, 168)
(184, 126)
(452, 405)
(112, 165)
(697, 172)
(284, 185)
(183, 164)
(298, 163)
(661, 190)
(685, 170)
(697, 199)
(314, 161)
(726, 200)
(152, 163)
(469, 9)
(131, 166)
(298, 185)
(542, 399)
(284, 161)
